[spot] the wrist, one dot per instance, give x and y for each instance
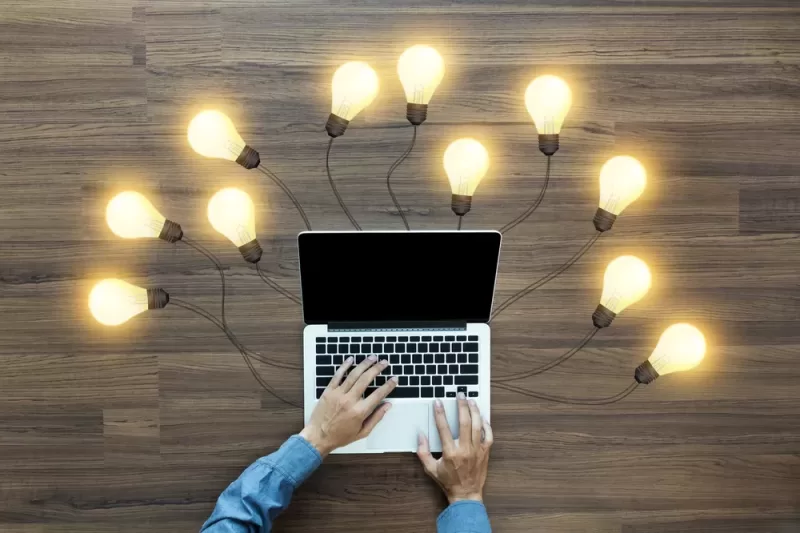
(474, 497)
(317, 440)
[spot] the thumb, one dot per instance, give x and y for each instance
(424, 454)
(373, 419)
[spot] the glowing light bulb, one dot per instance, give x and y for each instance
(465, 162)
(113, 302)
(626, 281)
(355, 86)
(131, 216)
(232, 213)
(548, 99)
(212, 134)
(681, 347)
(421, 70)
(622, 180)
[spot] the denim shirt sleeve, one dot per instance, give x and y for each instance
(252, 502)
(465, 516)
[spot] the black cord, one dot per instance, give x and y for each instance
(211, 257)
(552, 364)
(460, 220)
(552, 275)
(389, 175)
(272, 283)
(528, 212)
(267, 172)
(333, 187)
(571, 401)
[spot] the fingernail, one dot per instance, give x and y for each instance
(395, 379)
(420, 438)
(437, 404)
(472, 403)
(387, 406)
(460, 396)
(349, 359)
(384, 362)
(373, 358)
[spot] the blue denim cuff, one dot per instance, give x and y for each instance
(296, 460)
(465, 516)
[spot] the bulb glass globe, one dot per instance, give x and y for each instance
(681, 347)
(622, 180)
(466, 162)
(626, 281)
(114, 302)
(232, 213)
(548, 100)
(131, 216)
(355, 86)
(212, 134)
(421, 70)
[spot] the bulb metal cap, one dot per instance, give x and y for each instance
(603, 316)
(416, 113)
(157, 298)
(548, 144)
(336, 125)
(461, 204)
(171, 232)
(603, 220)
(249, 158)
(251, 251)
(645, 373)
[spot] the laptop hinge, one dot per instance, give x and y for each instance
(398, 326)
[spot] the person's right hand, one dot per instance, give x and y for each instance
(462, 469)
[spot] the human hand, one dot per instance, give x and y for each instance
(342, 416)
(462, 469)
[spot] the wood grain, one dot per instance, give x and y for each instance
(139, 428)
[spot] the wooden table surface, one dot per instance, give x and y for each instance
(140, 427)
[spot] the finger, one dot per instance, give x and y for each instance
(488, 434)
(424, 454)
(464, 421)
(444, 429)
(373, 419)
(477, 422)
(367, 377)
(340, 372)
(357, 371)
(371, 402)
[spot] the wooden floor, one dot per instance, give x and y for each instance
(139, 428)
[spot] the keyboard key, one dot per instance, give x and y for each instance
(359, 359)
(377, 348)
(325, 371)
(448, 380)
(332, 339)
(380, 380)
(406, 358)
(450, 338)
(444, 347)
(416, 358)
(400, 347)
(355, 339)
(397, 370)
(323, 360)
(441, 369)
(439, 392)
(456, 346)
(462, 358)
(453, 369)
(323, 381)
(473, 394)
(344, 348)
(428, 358)
(320, 348)
(394, 359)
(402, 339)
(473, 337)
(425, 380)
(380, 339)
(439, 357)
(419, 369)
(433, 347)
(408, 370)
(426, 338)
(403, 381)
(367, 339)
(451, 358)
(355, 348)
(461, 338)
(421, 347)
(413, 380)
(366, 348)
(466, 380)
(344, 339)
(436, 380)
(387, 371)
(331, 348)
(405, 392)
(462, 389)
(427, 392)
(470, 346)
(473, 358)
(469, 369)
(451, 394)
(430, 369)
(410, 347)
(319, 393)
(413, 339)
(438, 338)
(320, 339)
(338, 359)
(391, 339)
(388, 347)
(369, 391)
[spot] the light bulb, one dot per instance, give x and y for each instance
(622, 180)
(421, 70)
(212, 134)
(114, 302)
(355, 86)
(131, 216)
(232, 213)
(465, 162)
(548, 100)
(626, 281)
(681, 347)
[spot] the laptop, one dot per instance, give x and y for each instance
(422, 300)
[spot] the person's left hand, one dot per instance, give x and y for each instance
(342, 416)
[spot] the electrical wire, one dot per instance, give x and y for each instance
(571, 401)
(552, 364)
(389, 175)
(460, 220)
(545, 279)
(272, 283)
(333, 187)
(267, 172)
(528, 212)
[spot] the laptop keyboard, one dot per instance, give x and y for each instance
(428, 366)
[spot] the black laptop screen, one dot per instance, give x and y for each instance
(398, 276)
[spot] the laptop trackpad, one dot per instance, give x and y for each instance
(398, 430)
(451, 412)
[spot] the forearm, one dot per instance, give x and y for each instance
(264, 489)
(465, 516)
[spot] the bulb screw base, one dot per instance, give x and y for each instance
(603, 220)
(645, 373)
(416, 113)
(548, 144)
(157, 298)
(251, 251)
(461, 204)
(249, 158)
(336, 125)
(171, 231)
(603, 316)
